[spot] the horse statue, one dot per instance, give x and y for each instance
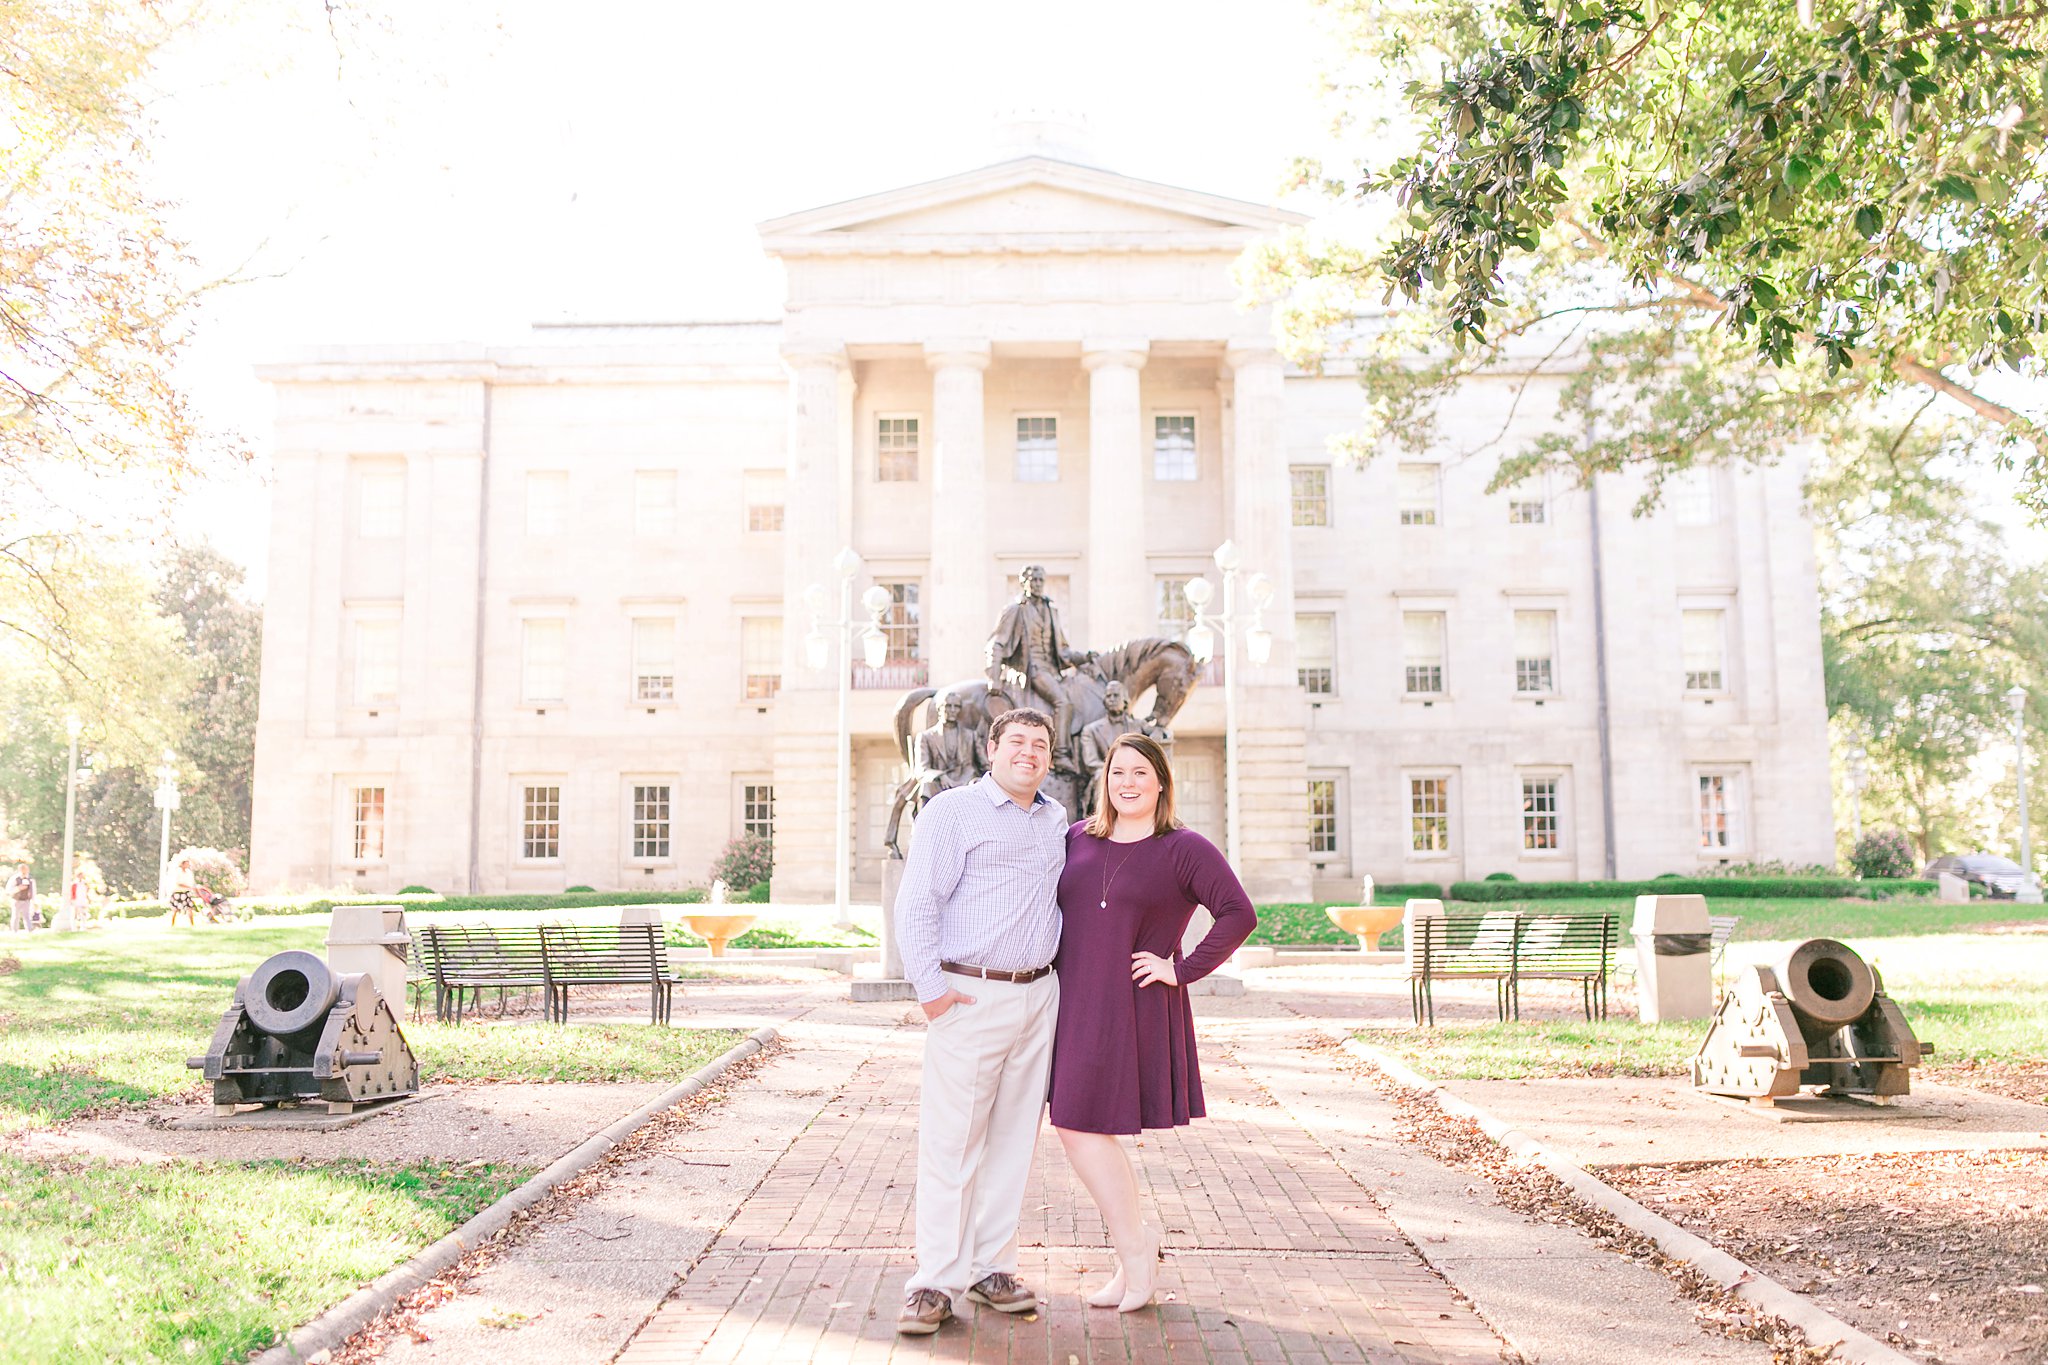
(1166, 668)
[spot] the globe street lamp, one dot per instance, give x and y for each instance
(818, 652)
(1258, 647)
(2029, 892)
(1859, 777)
(166, 800)
(73, 727)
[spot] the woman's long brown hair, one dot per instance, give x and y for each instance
(1147, 748)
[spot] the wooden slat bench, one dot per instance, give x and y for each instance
(466, 960)
(608, 955)
(1507, 948)
(1723, 927)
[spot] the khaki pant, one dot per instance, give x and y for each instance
(985, 1071)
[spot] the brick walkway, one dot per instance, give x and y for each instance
(1273, 1252)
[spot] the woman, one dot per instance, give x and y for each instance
(1123, 1056)
(185, 894)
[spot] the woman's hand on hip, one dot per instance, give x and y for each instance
(1149, 969)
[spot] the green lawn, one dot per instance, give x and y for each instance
(207, 1261)
(1981, 997)
(108, 1018)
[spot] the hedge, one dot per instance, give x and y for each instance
(1398, 893)
(1720, 888)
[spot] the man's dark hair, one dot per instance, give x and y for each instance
(1020, 715)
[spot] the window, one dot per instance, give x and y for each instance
(376, 663)
(1322, 815)
(654, 502)
(1311, 489)
(757, 809)
(366, 824)
(1315, 653)
(1535, 636)
(896, 449)
(900, 623)
(1429, 814)
(543, 649)
(761, 656)
(1174, 613)
(1528, 509)
(1038, 450)
(1418, 494)
(1422, 652)
(1695, 498)
(1173, 450)
(1704, 644)
(1539, 815)
(540, 823)
(547, 496)
(761, 490)
(650, 822)
(1717, 812)
(380, 504)
(654, 658)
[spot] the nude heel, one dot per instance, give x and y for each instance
(1111, 1294)
(1139, 1285)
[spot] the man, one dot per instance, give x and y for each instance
(978, 921)
(1098, 735)
(21, 892)
(1029, 641)
(949, 754)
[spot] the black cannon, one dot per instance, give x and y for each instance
(1819, 1018)
(297, 1030)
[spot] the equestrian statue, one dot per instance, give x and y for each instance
(1031, 663)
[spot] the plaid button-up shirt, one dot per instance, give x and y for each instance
(981, 886)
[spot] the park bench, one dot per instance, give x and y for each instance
(466, 960)
(1507, 948)
(1723, 927)
(607, 955)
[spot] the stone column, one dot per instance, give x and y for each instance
(1119, 580)
(806, 715)
(1272, 713)
(957, 612)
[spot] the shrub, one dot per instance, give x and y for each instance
(1400, 893)
(746, 861)
(417, 891)
(1883, 853)
(1770, 867)
(1751, 888)
(1502, 877)
(578, 890)
(757, 894)
(214, 870)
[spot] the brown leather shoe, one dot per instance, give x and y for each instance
(1002, 1293)
(924, 1313)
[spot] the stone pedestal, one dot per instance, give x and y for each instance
(1951, 889)
(1416, 910)
(1674, 958)
(640, 914)
(890, 985)
(371, 940)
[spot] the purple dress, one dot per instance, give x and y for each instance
(1123, 1058)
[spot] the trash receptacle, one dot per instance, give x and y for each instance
(372, 940)
(1674, 958)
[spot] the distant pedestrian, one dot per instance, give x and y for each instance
(21, 894)
(186, 894)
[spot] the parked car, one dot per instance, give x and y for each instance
(2000, 877)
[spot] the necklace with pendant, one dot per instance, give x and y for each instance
(1109, 877)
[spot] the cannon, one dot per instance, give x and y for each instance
(1821, 1018)
(298, 1030)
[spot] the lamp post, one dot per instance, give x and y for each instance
(1258, 647)
(73, 727)
(2029, 892)
(1859, 777)
(166, 800)
(818, 653)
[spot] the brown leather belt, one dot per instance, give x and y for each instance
(996, 973)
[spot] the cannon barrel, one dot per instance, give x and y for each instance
(290, 993)
(1827, 985)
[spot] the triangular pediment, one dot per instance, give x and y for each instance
(1033, 199)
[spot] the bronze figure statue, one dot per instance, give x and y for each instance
(1029, 651)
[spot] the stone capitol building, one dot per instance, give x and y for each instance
(537, 612)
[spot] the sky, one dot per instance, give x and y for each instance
(469, 169)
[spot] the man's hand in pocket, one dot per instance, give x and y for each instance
(938, 1005)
